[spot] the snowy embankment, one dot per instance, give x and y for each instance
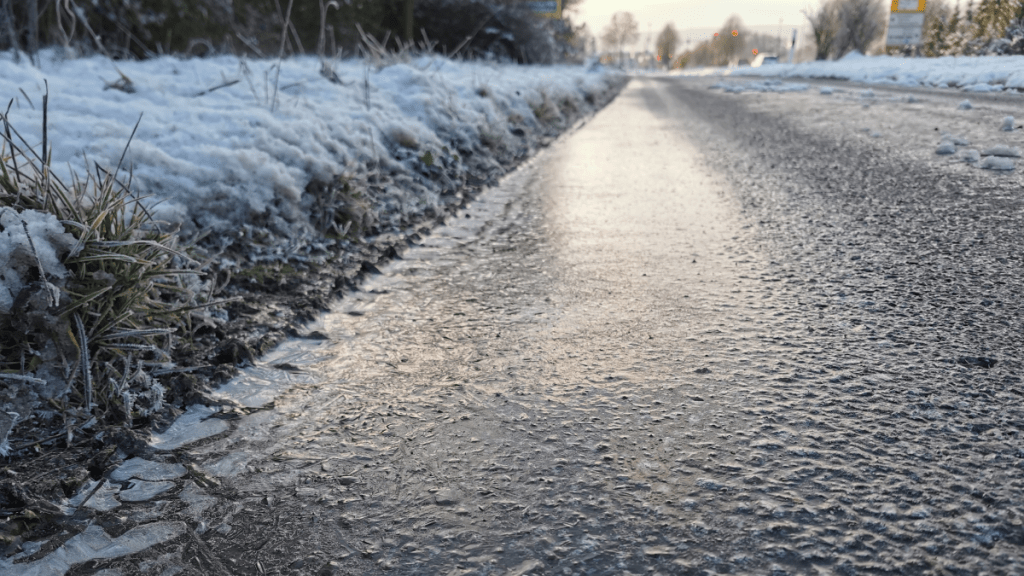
(968, 73)
(226, 147)
(250, 162)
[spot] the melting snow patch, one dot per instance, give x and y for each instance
(192, 426)
(982, 88)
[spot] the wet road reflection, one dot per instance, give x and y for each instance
(585, 373)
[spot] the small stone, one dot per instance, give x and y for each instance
(347, 480)
(446, 497)
(1007, 124)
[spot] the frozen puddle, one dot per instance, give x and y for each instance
(259, 385)
(195, 424)
(94, 544)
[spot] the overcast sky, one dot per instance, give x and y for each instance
(693, 14)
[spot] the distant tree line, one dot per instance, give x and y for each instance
(988, 27)
(839, 27)
(724, 48)
(501, 29)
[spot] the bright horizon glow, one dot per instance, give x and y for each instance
(653, 15)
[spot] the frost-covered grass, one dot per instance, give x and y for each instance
(85, 275)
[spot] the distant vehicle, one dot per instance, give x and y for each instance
(762, 59)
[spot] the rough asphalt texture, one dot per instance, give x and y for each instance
(705, 333)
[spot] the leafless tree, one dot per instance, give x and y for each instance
(824, 27)
(623, 29)
(666, 44)
(861, 24)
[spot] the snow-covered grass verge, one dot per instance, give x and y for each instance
(968, 73)
(245, 162)
(90, 291)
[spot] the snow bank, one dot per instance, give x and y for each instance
(32, 244)
(969, 73)
(225, 144)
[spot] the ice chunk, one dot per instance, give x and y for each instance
(231, 465)
(965, 105)
(971, 156)
(826, 90)
(869, 93)
(7, 420)
(197, 500)
(95, 544)
(192, 426)
(102, 500)
(146, 470)
(1007, 124)
(997, 163)
(946, 147)
(140, 491)
(1002, 150)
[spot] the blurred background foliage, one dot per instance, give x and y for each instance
(129, 29)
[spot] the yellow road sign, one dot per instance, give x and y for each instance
(547, 8)
(904, 6)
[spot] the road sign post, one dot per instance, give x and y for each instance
(906, 23)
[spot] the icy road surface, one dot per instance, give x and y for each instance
(765, 332)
